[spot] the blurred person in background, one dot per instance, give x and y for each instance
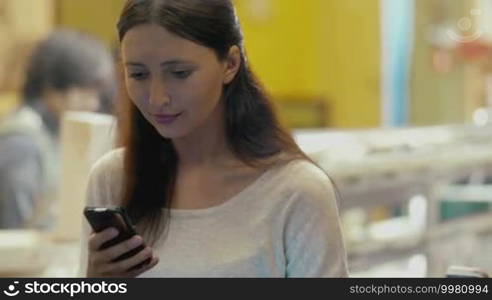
(67, 71)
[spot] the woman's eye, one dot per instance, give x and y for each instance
(181, 74)
(138, 75)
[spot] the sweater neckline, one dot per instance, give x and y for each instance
(231, 202)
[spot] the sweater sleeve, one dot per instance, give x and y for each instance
(103, 189)
(313, 237)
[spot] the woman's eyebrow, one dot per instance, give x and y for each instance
(134, 64)
(174, 62)
(163, 64)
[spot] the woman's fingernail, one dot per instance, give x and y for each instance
(135, 241)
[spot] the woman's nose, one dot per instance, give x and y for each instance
(158, 95)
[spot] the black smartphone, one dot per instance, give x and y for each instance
(101, 218)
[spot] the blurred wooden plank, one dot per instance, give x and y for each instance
(85, 137)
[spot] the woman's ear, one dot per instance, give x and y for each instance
(232, 64)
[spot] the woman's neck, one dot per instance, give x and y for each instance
(205, 146)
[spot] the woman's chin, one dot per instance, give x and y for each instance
(170, 133)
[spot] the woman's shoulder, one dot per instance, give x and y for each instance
(109, 167)
(303, 181)
(302, 173)
(106, 179)
(110, 162)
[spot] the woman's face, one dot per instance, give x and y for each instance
(175, 83)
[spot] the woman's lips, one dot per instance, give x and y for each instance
(166, 119)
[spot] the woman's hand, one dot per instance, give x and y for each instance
(102, 264)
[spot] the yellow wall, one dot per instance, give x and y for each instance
(26, 19)
(22, 24)
(327, 48)
(97, 17)
(304, 49)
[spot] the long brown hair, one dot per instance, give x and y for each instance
(252, 130)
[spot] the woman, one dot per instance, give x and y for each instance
(215, 186)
